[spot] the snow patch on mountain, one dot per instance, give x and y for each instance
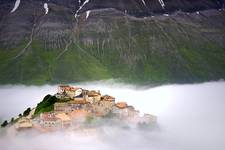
(162, 3)
(85, 2)
(166, 15)
(88, 14)
(17, 3)
(143, 1)
(46, 8)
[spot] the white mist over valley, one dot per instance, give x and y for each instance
(189, 116)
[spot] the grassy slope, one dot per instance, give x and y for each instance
(46, 105)
(155, 51)
(160, 51)
(38, 66)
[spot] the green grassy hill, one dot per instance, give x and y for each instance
(180, 48)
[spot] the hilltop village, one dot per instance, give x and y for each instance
(73, 107)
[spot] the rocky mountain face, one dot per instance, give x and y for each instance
(141, 41)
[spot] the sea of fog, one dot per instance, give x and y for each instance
(190, 117)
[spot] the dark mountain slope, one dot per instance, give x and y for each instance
(57, 47)
(133, 7)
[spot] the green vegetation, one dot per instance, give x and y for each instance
(12, 120)
(135, 51)
(27, 112)
(4, 124)
(46, 105)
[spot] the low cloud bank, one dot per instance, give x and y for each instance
(189, 117)
(15, 99)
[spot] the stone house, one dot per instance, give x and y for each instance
(62, 88)
(55, 120)
(62, 107)
(99, 110)
(69, 91)
(49, 120)
(105, 105)
(81, 104)
(79, 98)
(121, 105)
(122, 110)
(23, 123)
(71, 105)
(78, 116)
(91, 100)
(96, 96)
(65, 120)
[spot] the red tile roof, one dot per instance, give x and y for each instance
(108, 98)
(121, 105)
(68, 88)
(93, 93)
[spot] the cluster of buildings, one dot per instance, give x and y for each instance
(75, 105)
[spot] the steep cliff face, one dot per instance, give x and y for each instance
(134, 7)
(134, 40)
